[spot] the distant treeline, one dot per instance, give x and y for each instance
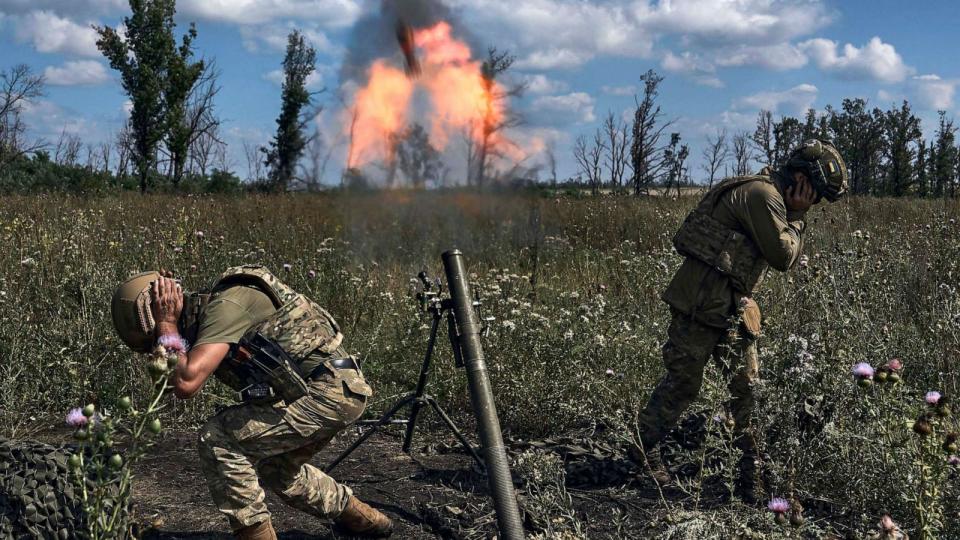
(885, 150)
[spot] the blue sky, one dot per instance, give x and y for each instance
(723, 60)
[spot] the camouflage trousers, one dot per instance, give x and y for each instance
(689, 347)
(251, 444)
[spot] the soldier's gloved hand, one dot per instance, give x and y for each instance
(801, 196)
(166, 301)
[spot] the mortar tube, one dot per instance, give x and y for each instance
(481, 397)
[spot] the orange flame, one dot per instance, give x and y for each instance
(461, 100)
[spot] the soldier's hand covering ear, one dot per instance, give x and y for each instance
(801, 196)
(166, 300)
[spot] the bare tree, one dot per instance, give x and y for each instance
(742, 154)
(201, 125)
(495, 117)
(716, 154)
(589, 158)
(646, 154)
(318, 157)
(105, 153)
(67, 151)
(675, 156)
(763, 138)
(254, 162)
(18, 87)
(124, 145)
(617, 142)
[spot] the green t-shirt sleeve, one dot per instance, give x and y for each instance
(224, 321)
(764, 216)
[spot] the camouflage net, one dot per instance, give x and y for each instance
(38, 498)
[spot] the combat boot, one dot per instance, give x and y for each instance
(650, 462)
(257, 531)
(360, 519)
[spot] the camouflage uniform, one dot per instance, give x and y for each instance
(277, 441)
(713, 315)
(272, 442)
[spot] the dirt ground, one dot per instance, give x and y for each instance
(434, 493)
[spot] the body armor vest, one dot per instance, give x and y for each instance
(299, 327)
(727, 249)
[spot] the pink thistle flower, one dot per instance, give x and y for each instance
(198, 234)
(954, 460)
(863, 370)
(932, 397)
(311, 274)
(887, 524)
(895, 364)
(778, 505)
(76, 418)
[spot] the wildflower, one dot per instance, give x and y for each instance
(895, 364)
(863, 370)
(932, 397)
(778, 505)
(287, 267)
(804, 261)
(311, 274)
(610, 372)
(954, 460)
(198, 234)
(76, 418)
(887, 524)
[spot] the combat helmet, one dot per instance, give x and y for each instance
(131, 311)
(822, 164)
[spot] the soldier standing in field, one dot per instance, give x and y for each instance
(740, 227)
(283, 354)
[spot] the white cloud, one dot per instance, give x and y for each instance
(692, 65)
(50, 33)
(85, 8)
(314, 80)
(934, 92)
(876, 60)
(725, 22)
(541, 84)
(576, 107)
(781, 56)
(273, 37)
(48, 119)
(553, 59)
(77, 73)
(331, 13)
(793, 101)
(550, 34)
(628, 90)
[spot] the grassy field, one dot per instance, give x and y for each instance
(574, 286)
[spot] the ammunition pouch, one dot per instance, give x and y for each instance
(259, 370)
(265, 363)
(728, 251)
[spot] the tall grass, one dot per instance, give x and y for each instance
(574, 286)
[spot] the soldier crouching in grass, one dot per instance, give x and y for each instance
(298, 387)
(740, 227)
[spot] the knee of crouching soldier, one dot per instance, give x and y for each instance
(277, 473)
